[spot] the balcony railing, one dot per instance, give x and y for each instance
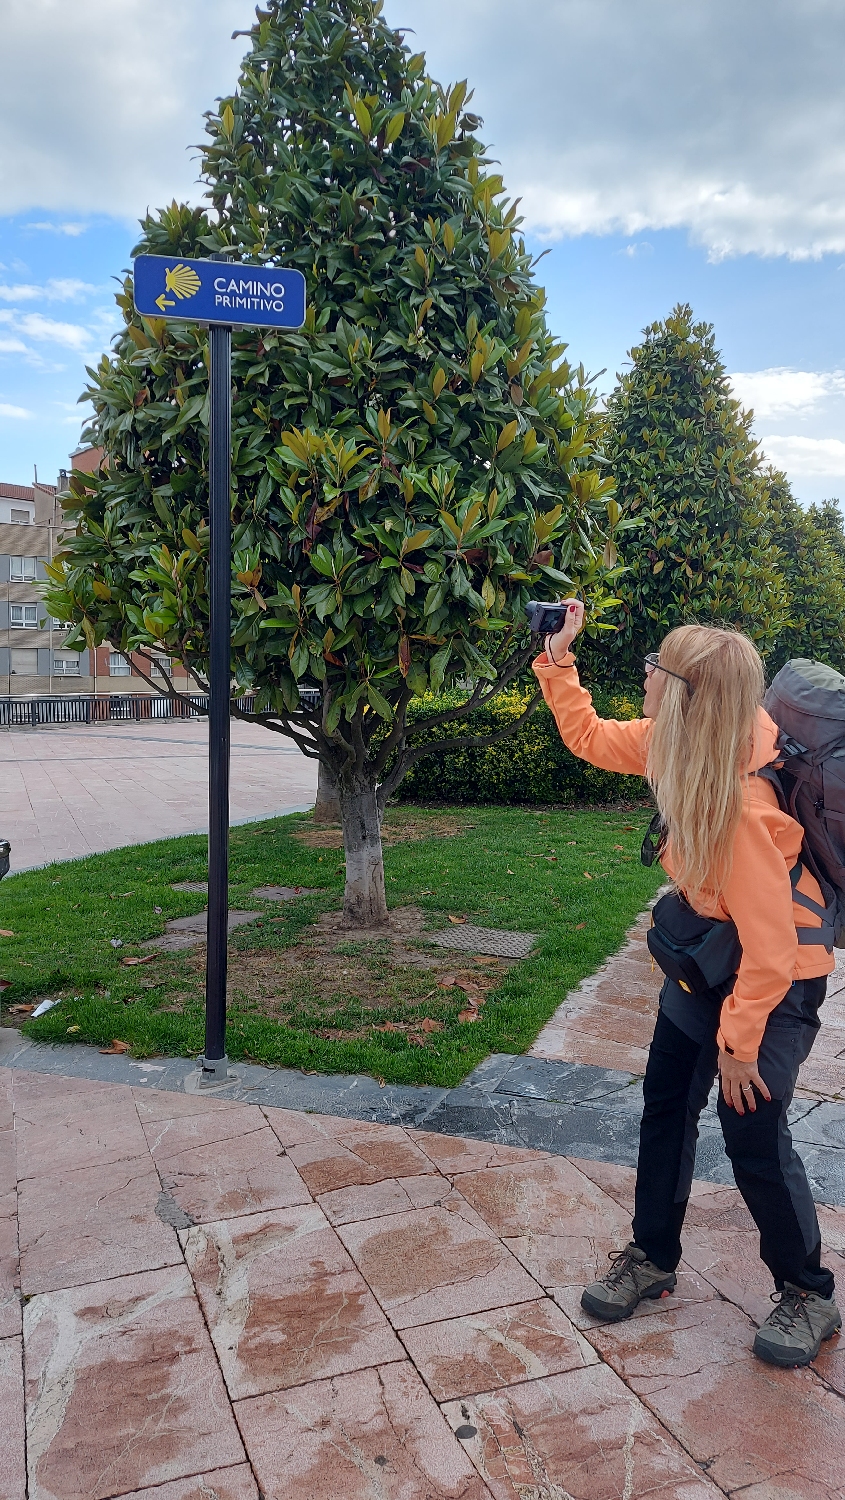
(82, 709)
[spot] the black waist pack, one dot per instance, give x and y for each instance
(699, 953)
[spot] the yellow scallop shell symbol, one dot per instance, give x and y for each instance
(182, 280)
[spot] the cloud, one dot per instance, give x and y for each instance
(70, 229)
(12, 346)
(57, 289)
(17, 413)
(722, 119)
(803, 457)
(47, 330)
(779, 391)
(121, 90)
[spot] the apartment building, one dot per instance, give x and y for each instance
(33, 659)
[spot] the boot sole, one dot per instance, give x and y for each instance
(785, 1362)
(618, 1315)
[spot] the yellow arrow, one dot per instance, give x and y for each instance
(162, 302)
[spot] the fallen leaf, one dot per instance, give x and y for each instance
(388, 1026)
(429, 1025)
(416, 1041)
(571, 841)
(116, 1046)
(552, 858)
(468, 1015)
(447, 982)
(5, 984)
(579, 925)
(482, 958)
(627, 828)
(129, 963)
(587, 875)
(380, 1081)
(511, 872)
(4, 932)
(73, 1028)
(456, 920)
(20, 1010)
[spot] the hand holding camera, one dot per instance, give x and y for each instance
(559, 623)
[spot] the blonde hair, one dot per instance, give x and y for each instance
(700, 749)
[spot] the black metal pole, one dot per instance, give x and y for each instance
(219, 679)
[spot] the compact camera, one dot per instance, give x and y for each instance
(544, 619)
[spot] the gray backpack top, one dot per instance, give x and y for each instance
(807, 702)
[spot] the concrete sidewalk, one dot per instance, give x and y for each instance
(74, 790)
(219, 1299)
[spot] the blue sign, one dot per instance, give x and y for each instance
(218, 291)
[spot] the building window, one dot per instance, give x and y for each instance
(19, 517)
(21, 569)
(23, 662)
(157, 664)
(118, 665)
(66, 665)
(23, 616)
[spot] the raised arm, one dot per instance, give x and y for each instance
(612, 744)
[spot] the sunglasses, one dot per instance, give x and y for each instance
(652, 664)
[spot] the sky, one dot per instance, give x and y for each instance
(662, 153)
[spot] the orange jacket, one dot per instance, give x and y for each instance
(757, 894)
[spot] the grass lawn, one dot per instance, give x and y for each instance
(303, 991)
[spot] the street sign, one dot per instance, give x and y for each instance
(223, 294)
(215, 291)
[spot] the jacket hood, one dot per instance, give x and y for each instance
(764, 749)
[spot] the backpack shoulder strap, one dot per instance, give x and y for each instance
(770, 774)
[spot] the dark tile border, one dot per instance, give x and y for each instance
(565, 1108)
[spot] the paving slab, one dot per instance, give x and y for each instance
(692, 1369)
(123, 1389)
(578, 1434)
(372, 1436)
(92, 1223)
(283, 1301)
(486, 1350)
(436, 1262)
(13, 1446)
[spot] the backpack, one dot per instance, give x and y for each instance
(806, 700)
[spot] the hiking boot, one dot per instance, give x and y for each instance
(631, 1278)
(794, 1332)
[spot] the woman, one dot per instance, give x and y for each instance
(734, 855)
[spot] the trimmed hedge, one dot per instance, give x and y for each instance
(532, 767)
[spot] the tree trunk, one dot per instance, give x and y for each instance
(327, 805)
(364, 902)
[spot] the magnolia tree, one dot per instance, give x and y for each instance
(688, 470)
(408, 469)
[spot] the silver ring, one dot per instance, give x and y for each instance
(746, 1087)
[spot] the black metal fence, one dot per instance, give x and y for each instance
(84, 709)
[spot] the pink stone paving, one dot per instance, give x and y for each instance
(608, 1021)
(79, 789)
(363, 1312)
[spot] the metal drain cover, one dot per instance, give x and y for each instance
(492, 940)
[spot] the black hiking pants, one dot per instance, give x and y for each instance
(682, 1065)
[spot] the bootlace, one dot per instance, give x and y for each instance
(791, 1308)
(622, 1264)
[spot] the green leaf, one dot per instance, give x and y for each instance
(378, 702)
